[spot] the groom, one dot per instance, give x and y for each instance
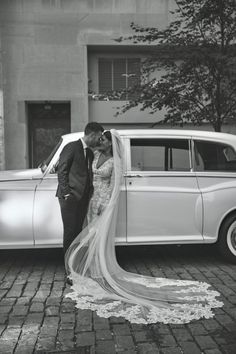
(75, 184)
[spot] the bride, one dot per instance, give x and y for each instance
(103, 176)
(100, 284)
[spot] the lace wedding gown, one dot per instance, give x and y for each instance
(103, 179)
(100, 284)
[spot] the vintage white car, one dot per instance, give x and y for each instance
(179, 188)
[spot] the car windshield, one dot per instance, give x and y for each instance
(46, 162)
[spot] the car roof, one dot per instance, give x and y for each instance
(163, 132)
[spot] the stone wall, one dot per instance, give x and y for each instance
(44, 55)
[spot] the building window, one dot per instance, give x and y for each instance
(117, 75)
(51, 3)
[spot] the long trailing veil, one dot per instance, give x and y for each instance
(100, 284)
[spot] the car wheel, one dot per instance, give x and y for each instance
(227, 238)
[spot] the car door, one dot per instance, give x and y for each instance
(16, 210)
(215, 166)
(164, 203)
(48, 227)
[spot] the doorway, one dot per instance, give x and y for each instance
(47, 121)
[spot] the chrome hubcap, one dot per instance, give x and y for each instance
(231, 238)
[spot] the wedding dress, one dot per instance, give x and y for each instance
(103, 179)
(100, 284)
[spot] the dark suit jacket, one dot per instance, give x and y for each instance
(73, 173)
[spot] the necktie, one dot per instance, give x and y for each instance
(88, 163)
(87, 156)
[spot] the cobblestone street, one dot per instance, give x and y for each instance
(35, 316)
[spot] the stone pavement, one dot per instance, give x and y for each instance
(35, 316)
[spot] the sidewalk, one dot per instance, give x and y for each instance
(35, 316)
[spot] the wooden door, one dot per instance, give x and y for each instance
(46, 122)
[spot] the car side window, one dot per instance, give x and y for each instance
(160, 154)
(213, 156)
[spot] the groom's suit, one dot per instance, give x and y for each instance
(75, 187)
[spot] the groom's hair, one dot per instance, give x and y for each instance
(93, 127)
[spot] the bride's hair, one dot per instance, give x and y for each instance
(108, 135)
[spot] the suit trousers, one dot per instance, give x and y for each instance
(73, 212)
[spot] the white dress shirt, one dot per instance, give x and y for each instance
(84, 146)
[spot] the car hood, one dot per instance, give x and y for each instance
(20, 174)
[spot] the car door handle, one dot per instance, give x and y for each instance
(132, 176)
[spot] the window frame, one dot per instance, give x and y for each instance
(112, 58)
(51, 4)
(153, 173)
(211, 172)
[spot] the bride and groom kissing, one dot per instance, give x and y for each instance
(78, 195)
(90, 175)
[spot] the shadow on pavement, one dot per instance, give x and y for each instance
(36, 256)
(164, 253)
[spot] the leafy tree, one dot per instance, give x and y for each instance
(197, 56)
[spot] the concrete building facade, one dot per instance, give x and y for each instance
(52, 54)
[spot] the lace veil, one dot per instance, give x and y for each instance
(100, 284)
